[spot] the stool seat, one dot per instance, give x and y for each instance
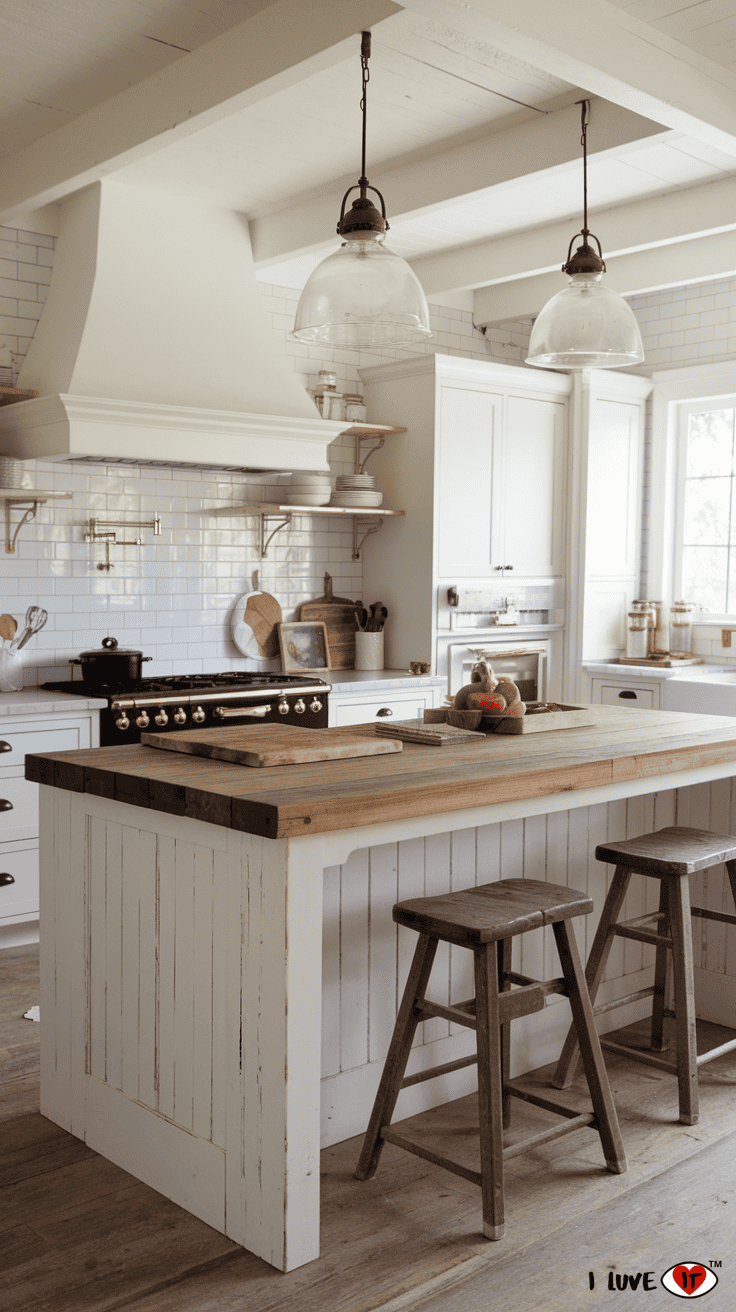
(670, 855)
(492, 911)
(672, 851)
(485, 921)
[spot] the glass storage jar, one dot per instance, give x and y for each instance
(681, 627)
(637, 635)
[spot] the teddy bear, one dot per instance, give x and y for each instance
(488, 694)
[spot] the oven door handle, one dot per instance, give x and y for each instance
(229, 712)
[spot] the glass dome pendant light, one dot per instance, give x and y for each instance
(587, 325)
(363, 295)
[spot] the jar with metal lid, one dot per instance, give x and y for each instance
(326, 378)
(333, 406)
(637, 635)
(355, 411)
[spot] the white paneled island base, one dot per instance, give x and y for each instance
(205, 988)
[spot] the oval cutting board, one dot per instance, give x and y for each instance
(251, 633)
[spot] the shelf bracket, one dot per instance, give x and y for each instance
(356, 544)
(283, 522)
(29, 514)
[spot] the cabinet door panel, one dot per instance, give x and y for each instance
(613, 694)
(533, 456)
(18, 882)
(405, 708)
(468, 437)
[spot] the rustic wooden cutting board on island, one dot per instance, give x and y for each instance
(338, 614)
(271, 744)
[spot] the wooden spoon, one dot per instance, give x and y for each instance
(8, 627)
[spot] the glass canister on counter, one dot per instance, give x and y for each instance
(637, 633)
(681, 627)
(354, 408)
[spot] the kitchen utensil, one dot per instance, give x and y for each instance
(36, 617)
(8, 627)
(378, 617)
(270, 744)
(110, 665)
(253, 629)
(338, 615)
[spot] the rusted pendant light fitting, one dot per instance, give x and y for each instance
(588, 325)
(363, 295)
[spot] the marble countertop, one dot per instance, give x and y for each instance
(352, 681)
(641, 671)
(39, 701)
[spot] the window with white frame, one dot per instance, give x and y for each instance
(705, 522)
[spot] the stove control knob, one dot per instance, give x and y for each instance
(122, 722)
(300, 707)
(283, 707)
(198, 715)
(162, 718)
(142, 720)
(315, 705)
(180, 715)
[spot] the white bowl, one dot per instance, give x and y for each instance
(311, 480)
(307, 498)
(357, 500)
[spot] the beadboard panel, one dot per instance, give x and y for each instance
(366, 956)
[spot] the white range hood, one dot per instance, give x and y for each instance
(154, 345)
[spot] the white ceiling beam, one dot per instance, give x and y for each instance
(638, 225)
(652, 270)
(435, 178)
(604, 49)
(274, 49)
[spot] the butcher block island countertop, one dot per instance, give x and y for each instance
(622, 747)
(219, 964)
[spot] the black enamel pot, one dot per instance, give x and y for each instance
(110, 666)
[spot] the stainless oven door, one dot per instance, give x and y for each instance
(524, 663)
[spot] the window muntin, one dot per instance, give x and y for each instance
(705, 555)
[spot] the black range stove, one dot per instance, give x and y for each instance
(201, 701)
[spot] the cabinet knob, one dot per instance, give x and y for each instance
(385, 710)
(6, 878)
(5, 805)
(628, 694)
(5, 747)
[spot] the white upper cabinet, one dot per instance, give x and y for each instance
(501, 467)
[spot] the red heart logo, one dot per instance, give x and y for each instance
(689, 1278)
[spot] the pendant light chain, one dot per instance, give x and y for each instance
(365, 54)
(584, 119)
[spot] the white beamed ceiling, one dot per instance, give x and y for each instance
(473, 131)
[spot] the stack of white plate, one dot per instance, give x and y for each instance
(356, 491)
(308, 490)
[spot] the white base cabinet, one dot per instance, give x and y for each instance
(609, 691)
(19, 821)
(360, 707)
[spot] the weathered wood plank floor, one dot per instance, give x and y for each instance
(78, 1234)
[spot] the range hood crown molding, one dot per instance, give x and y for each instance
(65, 427)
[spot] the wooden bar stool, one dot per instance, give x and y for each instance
(671, 856)
(485, 919)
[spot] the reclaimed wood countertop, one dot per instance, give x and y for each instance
(321, 797)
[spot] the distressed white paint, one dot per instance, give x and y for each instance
(192, 976)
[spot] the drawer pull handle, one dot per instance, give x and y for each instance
(385, 710)
(5, 805)
(5, 747)
(631, 696)
(6, 878)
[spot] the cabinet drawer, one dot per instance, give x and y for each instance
(18, 882)
(398, 708)
(612, 694)
(14, 745)
(20, 819)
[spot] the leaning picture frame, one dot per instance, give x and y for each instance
(304, 647)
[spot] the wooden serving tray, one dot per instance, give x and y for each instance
(270, 744)
(568, 717)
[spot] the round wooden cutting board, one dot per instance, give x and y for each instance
(253, 629)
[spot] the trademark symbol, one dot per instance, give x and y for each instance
(715, 1262)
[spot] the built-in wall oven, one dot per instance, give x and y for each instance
(523, 662)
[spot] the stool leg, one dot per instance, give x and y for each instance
(682, 966)
(590, 1048)
(594, 971)
(490, 1097)
(397, 1056)
(504, 966)
(661, 962)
